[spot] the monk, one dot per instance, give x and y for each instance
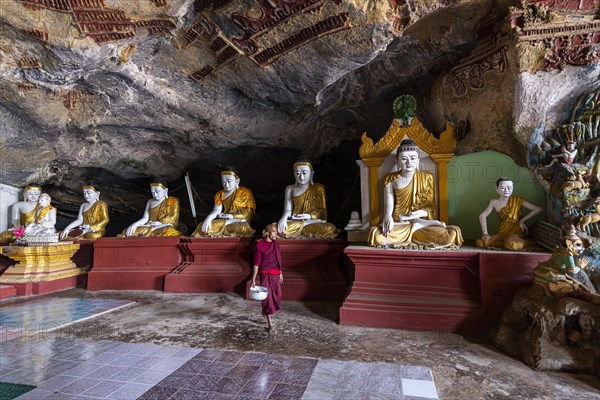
(512, 230)
(267, 262)
(44, 220)
(23, 212)
(409, 217)
(92, 217)
(161, 215)
(232, 212)
(305, 208)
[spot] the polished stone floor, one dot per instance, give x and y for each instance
(179, 345)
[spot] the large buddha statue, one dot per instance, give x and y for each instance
(23, 212)
(44, 219)
(161, 215)
(92, 218)
(233, 210)
(512, 230)
(409, 217)
(304, 207)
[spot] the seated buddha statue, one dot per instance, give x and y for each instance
(512, 230)
(92, 218)
(23, 212)
(305, 208)
(233, 210)
(44, 220)
(161, 215)
(409, 218)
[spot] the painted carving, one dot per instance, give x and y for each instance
(37, 34)
(202, 73)
(30, 63)
(586, 7)
(72, 99)
(103, 24)
(399, 16)
(471, 75)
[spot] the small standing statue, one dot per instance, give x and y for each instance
(409, 218)
(512, 230)
(233, 210)
(161, 215)
(565, 273)
(45, 218)
(92, 218)
(23, 212)
(567, 154)
(305, 208)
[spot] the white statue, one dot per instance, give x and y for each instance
(92, 217)
(23, 211)
(45, 218)
(161, 215)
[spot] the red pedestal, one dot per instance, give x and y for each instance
(84, 257)
(434, 290)
(312, 270)
(133, 263)
(31, 288)
(7, 291)
(211, 265)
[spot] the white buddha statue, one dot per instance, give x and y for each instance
(161, 215)
(45, 218)
(305, 208)
(92, 218)
(23, 212)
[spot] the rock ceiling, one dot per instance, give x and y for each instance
(119, 91)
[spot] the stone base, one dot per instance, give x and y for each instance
(211, 265)
(7, 291)
(133, 263)
(453, 291)
(34, 288)
(312, 270)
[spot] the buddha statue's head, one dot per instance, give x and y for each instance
(303, 171)
(90, 193)
(230, 179)
(32, 193)
(407, 156)
(504, 187)
(159, 190)
(44, 200)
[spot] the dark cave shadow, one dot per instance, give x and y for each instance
(329, 310)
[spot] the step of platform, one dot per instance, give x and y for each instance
(7, 291)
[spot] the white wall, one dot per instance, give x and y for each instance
(9, 195)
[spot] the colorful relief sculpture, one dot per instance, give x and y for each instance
(92, 218)
(512, 230)
(567, 153)
(44, 219)
(161, 215)
(305, 208)
(23, 212)
(233, 210)
(564, 274)
(409, 216)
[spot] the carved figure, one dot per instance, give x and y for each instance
(233, 210)
(305, 208)
(564, 274)
(576, 183)
(23, 212)
(512, 229)
(161, 215)
(591, 218)
(92, 218)
(567, 154)
(44, 220)
(409, 208)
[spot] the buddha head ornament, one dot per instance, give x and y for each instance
(159, 189)
(90, 193)
(32, 193)
(407, 156)
(230, 179)
(303, 171)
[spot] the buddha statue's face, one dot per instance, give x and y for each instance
(158, 192)
(32, 195)
(44, 200)
(90, 195)
(229, 182)
(504, 188)
(303, 174)
(408, 161)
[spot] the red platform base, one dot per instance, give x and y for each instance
(7, 291)
(312, 270)
(31, 288)
(211, 265)
(452, 291)
(133, 263)
(84, 257)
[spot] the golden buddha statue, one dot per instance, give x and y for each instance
(161, 215)
(512, 228)
(233, 210)
(409, 208)
(92, 218)
(23, 212)
(305, 208)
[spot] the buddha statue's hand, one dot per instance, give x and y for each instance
(523, 226)
(155, 223)
(282, 226)
(64, 234)
(226, 216)
(387, 225)
(485, 237)
(131, 230)
(301, 216)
